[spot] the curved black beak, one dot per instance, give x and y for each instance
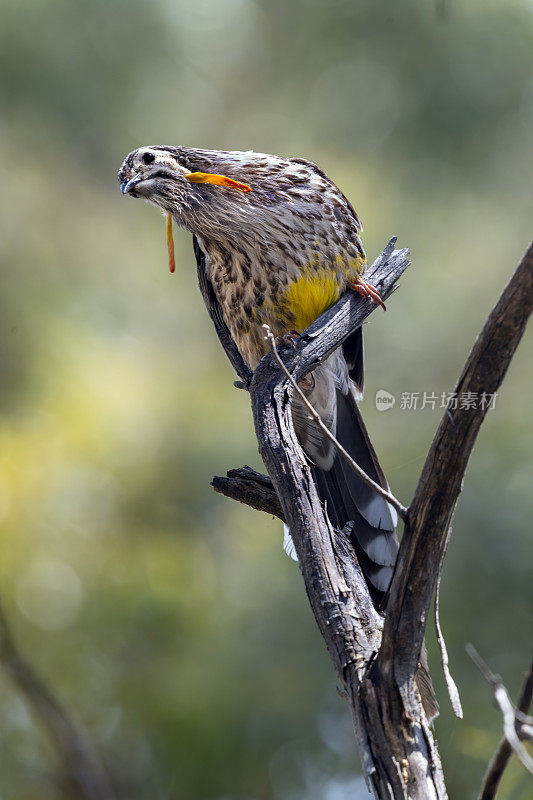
(128, 184)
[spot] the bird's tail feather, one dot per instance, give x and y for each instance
(349, 500)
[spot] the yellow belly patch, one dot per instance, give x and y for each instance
(305, 299)
(313, 292)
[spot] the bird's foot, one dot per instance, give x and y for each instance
(291, 337)
(367, 290)
(307, 383)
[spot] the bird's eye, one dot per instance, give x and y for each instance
(148, 158)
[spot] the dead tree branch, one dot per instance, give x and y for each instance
(399, 755)
(251, 488)
(81, 769)
(425, 538)
(402, 511)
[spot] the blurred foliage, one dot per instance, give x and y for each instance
(166, 617)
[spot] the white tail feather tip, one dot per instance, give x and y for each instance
(288, 544)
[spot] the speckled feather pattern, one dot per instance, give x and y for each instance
(294, 221)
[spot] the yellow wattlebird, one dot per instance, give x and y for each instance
(277, 242)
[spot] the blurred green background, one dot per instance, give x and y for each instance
(167, 618)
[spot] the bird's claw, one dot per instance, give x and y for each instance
(366, 289)
(291, 337)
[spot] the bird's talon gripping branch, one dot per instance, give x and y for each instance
(307, 383)
(366, 289)
(291, 337)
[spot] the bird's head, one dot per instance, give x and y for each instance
(187, 183)
(246, 201)
(153, 173)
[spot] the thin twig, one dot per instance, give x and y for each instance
(453, 692)
(505, 705)
(402, 511)
(524, 731)
(520, 716)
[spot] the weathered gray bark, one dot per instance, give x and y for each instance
(376, 660)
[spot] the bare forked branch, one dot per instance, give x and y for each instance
(424, 541)
(377, 671)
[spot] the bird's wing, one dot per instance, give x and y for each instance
(215, 312)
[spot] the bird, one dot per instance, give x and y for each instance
(277, 243)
